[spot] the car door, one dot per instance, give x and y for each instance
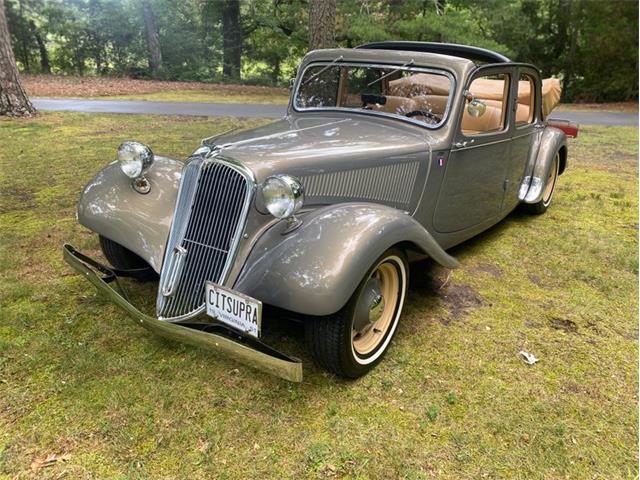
(526, 119)
(473, 185)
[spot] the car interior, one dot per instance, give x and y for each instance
(424, 96)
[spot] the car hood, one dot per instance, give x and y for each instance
(316, 144)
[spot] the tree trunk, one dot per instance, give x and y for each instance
(13, 99)
(23, 38)
(322, 24)
(45, 66)
(231, 39)
(155, 55)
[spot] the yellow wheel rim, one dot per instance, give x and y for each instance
(366, 342)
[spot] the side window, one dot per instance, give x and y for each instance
(492, 92)
(526, 100)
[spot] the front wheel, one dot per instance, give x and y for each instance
(352, 341)
(123, 259)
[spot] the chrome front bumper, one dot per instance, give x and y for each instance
(246, 350)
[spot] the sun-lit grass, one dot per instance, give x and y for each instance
(452, 399)
(205, 96)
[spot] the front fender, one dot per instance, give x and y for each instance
(317, 267)
(552, 141)
(111, 207)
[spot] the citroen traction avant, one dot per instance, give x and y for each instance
(389, 153)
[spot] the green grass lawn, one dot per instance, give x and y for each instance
(452, 399)
(205, 96)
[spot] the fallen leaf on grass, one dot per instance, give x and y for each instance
(45, 461)
(529, 358)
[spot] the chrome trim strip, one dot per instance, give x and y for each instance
(481, 144)
(437, 71)
(250, 193)
(174, 271)
(524, 135)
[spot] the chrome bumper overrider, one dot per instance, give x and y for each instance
(246, 350)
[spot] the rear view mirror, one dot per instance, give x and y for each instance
(476, 108)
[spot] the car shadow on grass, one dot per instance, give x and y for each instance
(432, 295)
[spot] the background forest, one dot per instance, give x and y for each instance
(591, 45)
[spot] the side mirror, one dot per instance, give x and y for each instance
(476, 107)
(292, 82)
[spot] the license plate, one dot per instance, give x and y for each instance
(234, 309)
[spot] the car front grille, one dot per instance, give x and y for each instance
(210, 215)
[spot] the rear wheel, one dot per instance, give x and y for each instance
(353, 341)
(550, 187)
(124, 259)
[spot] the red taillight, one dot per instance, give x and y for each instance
(570, 129)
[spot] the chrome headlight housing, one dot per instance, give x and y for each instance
(134, 158)
(283, 195)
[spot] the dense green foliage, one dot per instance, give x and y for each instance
(591, 45)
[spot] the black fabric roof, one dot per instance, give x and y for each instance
(452, 49)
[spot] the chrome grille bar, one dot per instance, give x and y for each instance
(213, 202)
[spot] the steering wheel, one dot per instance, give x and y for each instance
(424, 113)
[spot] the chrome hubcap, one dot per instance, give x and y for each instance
(376, 308)
(369, 308)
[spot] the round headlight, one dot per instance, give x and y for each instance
(134, 158)
(283, 195)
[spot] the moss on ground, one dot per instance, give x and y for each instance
(452, 398)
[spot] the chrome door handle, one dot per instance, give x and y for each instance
(463, 144)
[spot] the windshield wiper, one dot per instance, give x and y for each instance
(317, 74)
(410, 62)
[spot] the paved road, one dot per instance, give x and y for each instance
(599, 118)
(262, 111)
(161, 108)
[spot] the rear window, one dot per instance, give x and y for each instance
(418, 95)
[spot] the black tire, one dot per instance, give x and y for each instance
(542, 206)
(330, 339)
(123, 259)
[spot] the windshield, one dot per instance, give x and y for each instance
(414, 94)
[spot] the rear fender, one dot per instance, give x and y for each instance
(552, 141)
(315, 269)
(111, 207)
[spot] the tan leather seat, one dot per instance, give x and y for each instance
(522, 111)
(396, 105)
(490, 121)
(523, 114)
(420, 84)
(431, 103)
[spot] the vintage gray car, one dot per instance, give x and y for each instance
(388, 153)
